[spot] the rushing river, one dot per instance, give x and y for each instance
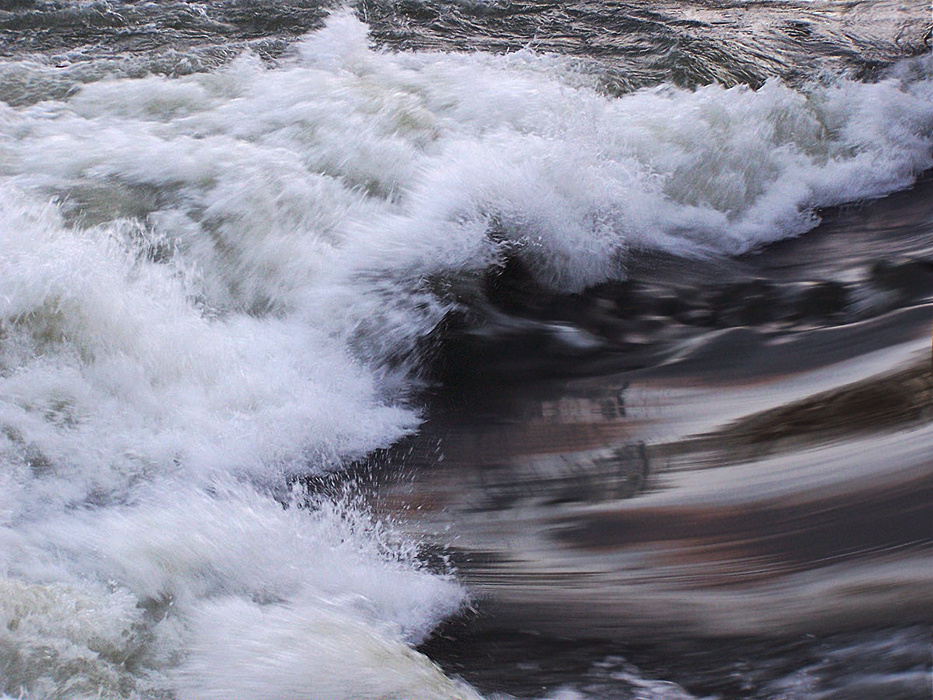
(422, 349)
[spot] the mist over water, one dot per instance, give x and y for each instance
(218, 278)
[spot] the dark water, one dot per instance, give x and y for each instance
(632, 43)
(646, 364)
(567, 478)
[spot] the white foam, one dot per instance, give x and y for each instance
(210, 282)
(197, 589)
(304, 652)
(123, 409)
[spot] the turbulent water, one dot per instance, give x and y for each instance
(231, 233)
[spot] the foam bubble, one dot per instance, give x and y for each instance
(211, 282)
(194, 591)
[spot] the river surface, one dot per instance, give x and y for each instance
(422, 349)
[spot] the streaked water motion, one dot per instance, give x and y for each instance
(594, 332)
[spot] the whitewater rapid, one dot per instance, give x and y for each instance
(212, 283)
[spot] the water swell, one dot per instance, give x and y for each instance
(214, 282)
(631, 44)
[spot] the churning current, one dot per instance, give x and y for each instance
(221, 252)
